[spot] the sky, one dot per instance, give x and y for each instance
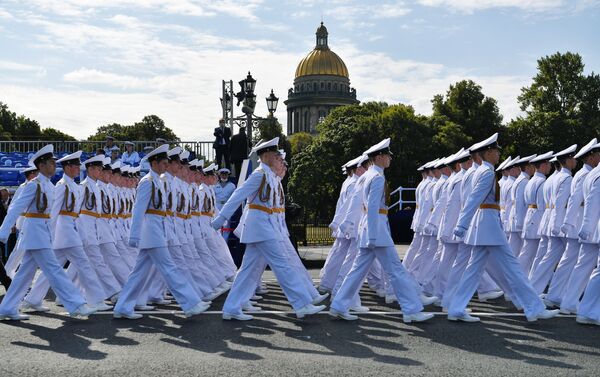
(76, 65)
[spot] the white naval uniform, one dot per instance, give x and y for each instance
(572, 221)
(506, 202)
(534, 199)
(590, 303)
(337, 254)
(88, 225)
(106, 235)
(415, 244)
(480, 217)
(559, 197)
(374, 231)
(543, 230)
(260, 232)
(67, 245)
(427, 207)
(516, 216)
(449, 243)
(149, 228)
(588, 252)
(15, 257)
(36, 240)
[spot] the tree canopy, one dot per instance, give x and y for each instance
(20, 127)
(150, 127)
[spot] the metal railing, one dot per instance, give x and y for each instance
(200, 148)
(401, 201)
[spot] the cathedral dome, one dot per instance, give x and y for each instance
(321, 60)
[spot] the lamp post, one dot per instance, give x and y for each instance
(247, 98)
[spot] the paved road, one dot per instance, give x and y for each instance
(278, 344)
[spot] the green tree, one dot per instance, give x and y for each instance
(345, 134)
(270, 128)
(475, 116)
(299, 141)
(561, 107)
(149, 128)
(54, 134)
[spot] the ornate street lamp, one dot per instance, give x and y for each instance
(272, 103)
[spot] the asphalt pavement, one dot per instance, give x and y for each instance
(275, 343)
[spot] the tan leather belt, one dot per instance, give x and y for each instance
(106, 216)
(33, 215)
(67, 213)
(490, 206)
(382, 211)
(156, 212)
(169, 213)
(89, 213)
(209, 214)
(184, 216)
(261, 208)
(534, 206)
(279, 210)
(196, 214)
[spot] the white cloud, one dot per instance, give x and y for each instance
(358, 15)
(5, 14)
(470, 6)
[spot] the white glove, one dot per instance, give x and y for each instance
(584, 235)
(343, 228)
(430, 229)
(371, 244)
(566, 228)
(134, 242)
(459, 232)
(218, 222)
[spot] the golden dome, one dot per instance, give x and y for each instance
(322, 62)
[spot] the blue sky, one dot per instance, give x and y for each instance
(79, 64)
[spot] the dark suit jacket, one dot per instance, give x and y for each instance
(239, 147)
(220, 135)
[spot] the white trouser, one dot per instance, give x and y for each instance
(333, 263)
(541, 251)
(586, 262)
(413, 249)
(590, 304)
(502, 259)
(185, 270)
(90, 284)
(248, 276)
(209, 260)
(126, 255)
(561, 276)
(515, 242)
(486, 283)
(204, 278)
(161, 260)
(528, 253)
(60, 283)
(447, 258)
(113, 260)
(221, 253)
(415, 266)
(344, 270)
(404, 285)
(105, 275)
(377, 279)
(424, 259)
(295, 261)
(426, 274)
(543, 272)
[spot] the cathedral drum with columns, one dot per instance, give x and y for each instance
(321, 84)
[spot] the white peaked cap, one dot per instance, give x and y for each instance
(116, 165)
(504, 164)
(430, 164)
(42, 152)
(184, 155)
(224, 170)
(553, 159)
(512, 162)
(593, 144)
(209, 168)
(72, 156)
(543, 157)
(162, 149)
(525, 159)
(566, 151)
(381, 146)
(97, 158)
(174, 151)
(29, 168)
(107, 160)
(266, 144)
(441, 162)
(485, 143)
